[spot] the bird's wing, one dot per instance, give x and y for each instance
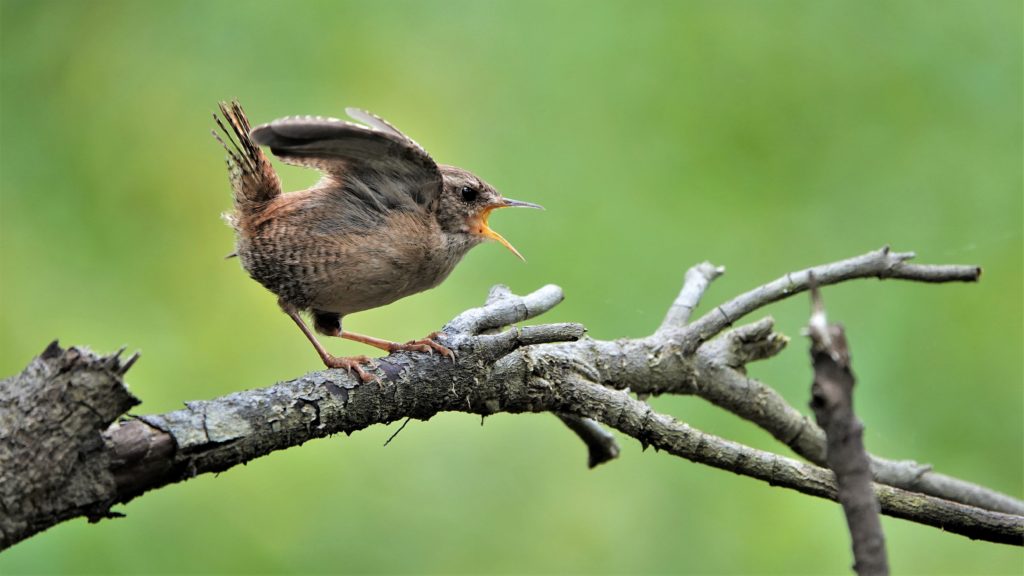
(380, 164)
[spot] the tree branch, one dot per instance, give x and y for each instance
(728, 387)
(530, 369)
(832, 402)
(504, 308)
(724, 383)
(881, 264)
(696, 281)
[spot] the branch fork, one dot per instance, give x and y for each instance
(551, 367)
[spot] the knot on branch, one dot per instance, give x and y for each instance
(745, 344)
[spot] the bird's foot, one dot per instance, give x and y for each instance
(428, 344)
(352, 364)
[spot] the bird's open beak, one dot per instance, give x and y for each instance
(486, 230)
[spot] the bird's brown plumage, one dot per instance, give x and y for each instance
(384, 222)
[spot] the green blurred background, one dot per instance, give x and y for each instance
(764, 136)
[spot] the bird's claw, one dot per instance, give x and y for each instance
(429, 345)
(353, 364)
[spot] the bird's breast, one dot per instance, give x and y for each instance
(405, 255)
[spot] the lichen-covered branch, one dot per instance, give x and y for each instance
(553, 368)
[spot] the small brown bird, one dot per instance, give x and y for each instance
(384, 222)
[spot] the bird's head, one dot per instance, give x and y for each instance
(467, 202)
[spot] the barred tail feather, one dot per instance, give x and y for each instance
(253, 180)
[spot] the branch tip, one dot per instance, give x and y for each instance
(880, 263)
(51, 351)
(504, 308)
(695, 282)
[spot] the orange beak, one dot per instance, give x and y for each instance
(486, 230)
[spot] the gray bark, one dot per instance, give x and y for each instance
(547, 368)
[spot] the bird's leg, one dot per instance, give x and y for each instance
(428, 344)
(353, 364)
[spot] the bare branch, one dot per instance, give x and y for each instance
(497, 345)
(832, 401)
(695, 283)
(529, 369)
(936, 274)
(503, 309)
(214, 435)
(636, 419)
(741, 346)
(601, 444)
(752, 400)
(881, 264)
(652, 366)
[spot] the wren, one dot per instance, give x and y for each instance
(385, 221)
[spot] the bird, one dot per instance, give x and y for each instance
(384, 221)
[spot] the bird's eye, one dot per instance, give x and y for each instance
(469, 193)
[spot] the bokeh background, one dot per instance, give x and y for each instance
(764, 136)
